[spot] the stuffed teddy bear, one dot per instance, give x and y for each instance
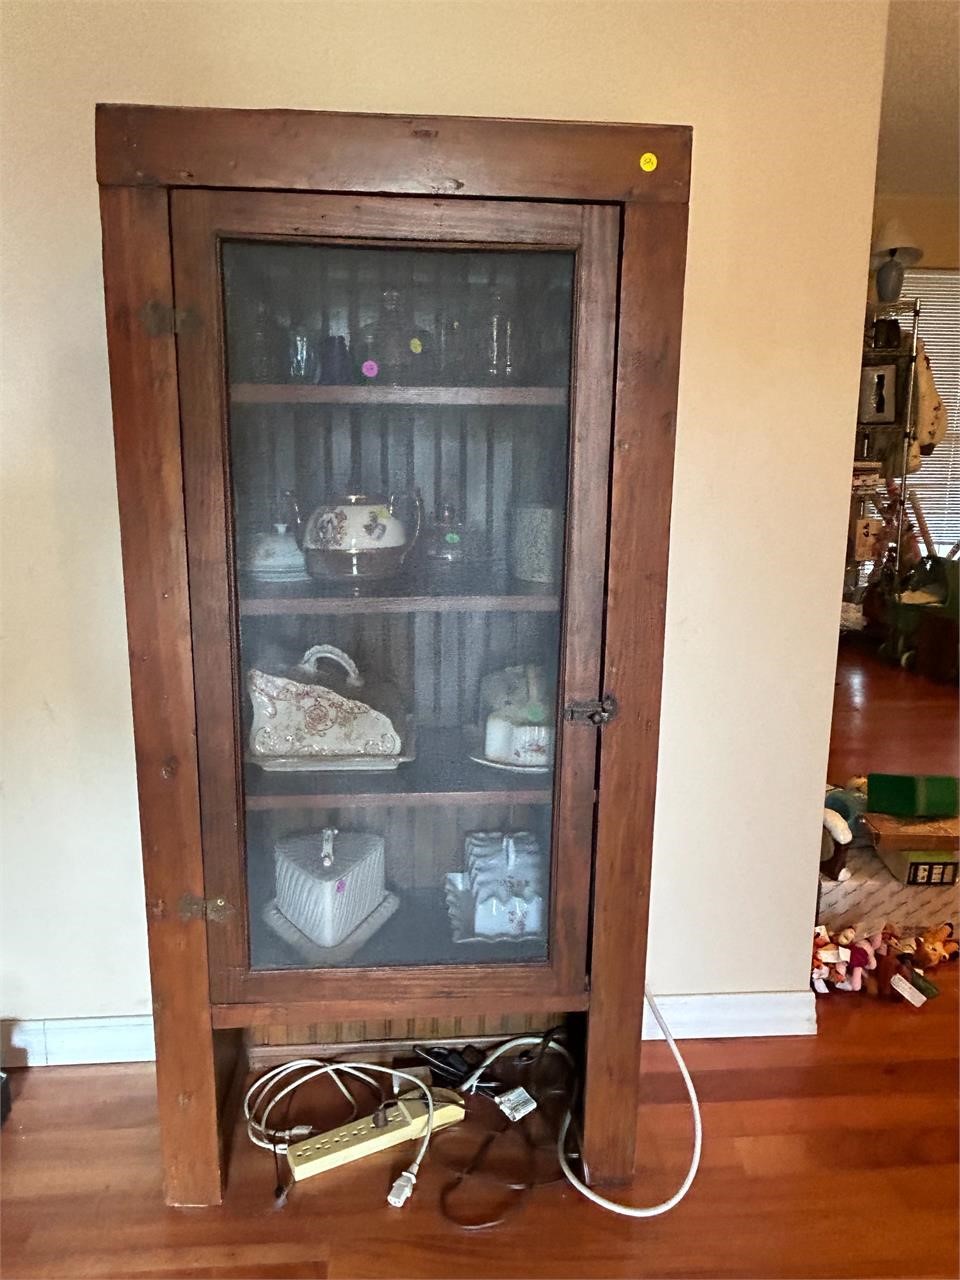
(834, 839)
(863, 959)
(908, 957)
(843, 808)
(936, 946)
(878, 982)
(890, 959)
(829, 961)
(820, 966)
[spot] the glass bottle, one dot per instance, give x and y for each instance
(301, 355)
(452, 348)
(446, 539)
(335, 364)
(500, 347)
(261, 344)
(384, 343)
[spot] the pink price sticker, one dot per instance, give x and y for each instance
(369, 368)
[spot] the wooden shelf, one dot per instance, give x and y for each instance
(455, 588)
(261, 606)
(441, 774)
(265, 606)
(301, 393)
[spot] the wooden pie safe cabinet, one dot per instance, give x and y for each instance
(481, 318)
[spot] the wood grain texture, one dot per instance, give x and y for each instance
(413, 155)
(887, 720)
(136, 266)
(829, 1155)
(287, 155)
(375, 991)
(369, 220)
(383, 1037)
(394, 799)
(265, 606)
(200, 218)
(291, 393)
(594, 341)
(648, 358)
(201, 370)
(481, 992)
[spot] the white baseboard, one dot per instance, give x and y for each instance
(749, 1013)
(61, 1042)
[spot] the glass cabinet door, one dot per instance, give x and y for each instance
(395, 436)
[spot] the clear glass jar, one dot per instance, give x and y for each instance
(446, 538)
(392, 349)
(501, 332)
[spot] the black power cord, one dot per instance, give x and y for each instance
(554, 1086)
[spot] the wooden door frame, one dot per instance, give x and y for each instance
(143, 153)
(201, 221)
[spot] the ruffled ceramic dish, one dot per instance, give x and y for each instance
(517, 915)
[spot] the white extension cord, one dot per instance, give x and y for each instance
(627, 1211)
(264, 1094)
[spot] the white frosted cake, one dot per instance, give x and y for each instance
(518, 729)
(509, 739)
(324, 899)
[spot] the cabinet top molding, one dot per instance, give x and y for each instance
(392, 154)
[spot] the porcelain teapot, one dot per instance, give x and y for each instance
(359, 537)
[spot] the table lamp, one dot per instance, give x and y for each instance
(893, 249)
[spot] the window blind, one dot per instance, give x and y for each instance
(937, 483)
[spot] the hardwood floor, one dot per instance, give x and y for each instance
(889, 721)
(826, 1156)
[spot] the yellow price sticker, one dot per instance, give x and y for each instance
(648, 162)
(416, 346)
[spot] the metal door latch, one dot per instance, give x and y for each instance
(190, 907)
(159, 319)
(595, 711)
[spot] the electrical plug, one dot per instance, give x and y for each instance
(402, 1189)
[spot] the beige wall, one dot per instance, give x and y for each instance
(933, 220)
(784, 99)
(918, 160)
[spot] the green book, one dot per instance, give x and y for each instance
(913, 795)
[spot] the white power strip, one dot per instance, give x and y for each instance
(404, 1119)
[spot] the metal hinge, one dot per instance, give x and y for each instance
(190, 907)
(595, 711)
(160, 320)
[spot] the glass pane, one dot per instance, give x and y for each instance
(399, 432)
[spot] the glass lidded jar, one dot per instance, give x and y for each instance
(392, 349)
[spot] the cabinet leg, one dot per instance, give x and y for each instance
(190, 1139)
(611, 1094)
(232, 1066)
